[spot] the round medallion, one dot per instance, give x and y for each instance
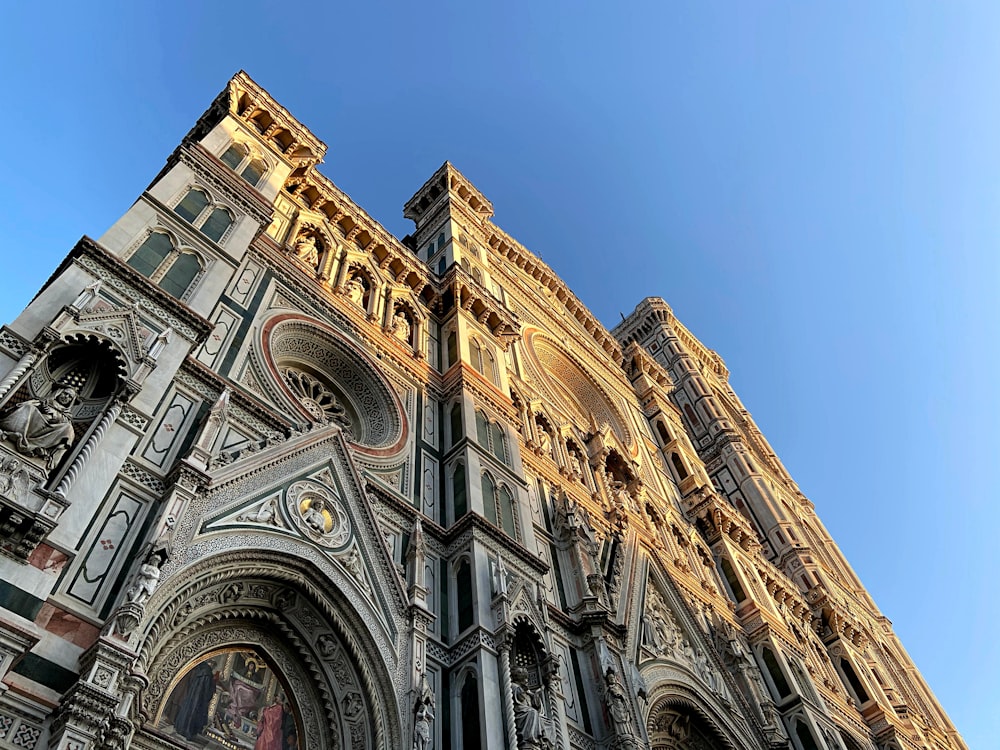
(318, 514)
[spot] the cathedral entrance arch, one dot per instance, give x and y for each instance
(676, 724)
(257, 650)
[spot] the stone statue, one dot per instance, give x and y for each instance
(356, 290)
(544, 442)
(42, 427)
(423, 717)
(146, 580)
(313, 516)
(307, 250)
(401, 326)
(422, 727)
(531, 724)
(618, 513)
(650, 636)
(616, 701)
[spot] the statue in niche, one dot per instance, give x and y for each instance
(401, 325)
(146, 579)
(423, 717)
(619, 716)
(575, 464)
(532, 726)
(618, 513)
(422, 727)
(42, 427)
(307, 249)
(356, 290)
(545, 442)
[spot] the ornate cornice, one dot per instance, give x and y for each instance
(247, 99)
(507, 247)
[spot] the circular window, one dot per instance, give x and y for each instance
(331, 382)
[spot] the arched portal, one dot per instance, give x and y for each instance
(677, 725)
(245, 645)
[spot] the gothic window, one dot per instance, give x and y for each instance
(805, 736)
(498, 441)
(234, 156)
(216, 224)
(240, 160)
(490, 367)
(489, 499)
(491, 436)
(463, 594)
(455, 421)
(476, 354)
(180, 274)
(173, 269)
(460, 499)
(483, 360)
(852, 681)
(253, 171)
(191, 205)
(692, 417)
(732, 580)
(470, 713)
(452, 348)
(682, 472)
(482, 429)
(778, 680)
(196, 208)
(508, 514)
(661, 429)
(498, 506)
(151, 253)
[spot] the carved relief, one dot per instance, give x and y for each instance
(318, 514)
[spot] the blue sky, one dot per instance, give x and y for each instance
(813, 188)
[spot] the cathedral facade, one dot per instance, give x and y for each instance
(272, 478)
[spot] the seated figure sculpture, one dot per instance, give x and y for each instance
(41, 427)
(532, 726)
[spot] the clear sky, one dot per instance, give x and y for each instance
(813, 188)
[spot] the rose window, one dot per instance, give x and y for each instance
(317, 398)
